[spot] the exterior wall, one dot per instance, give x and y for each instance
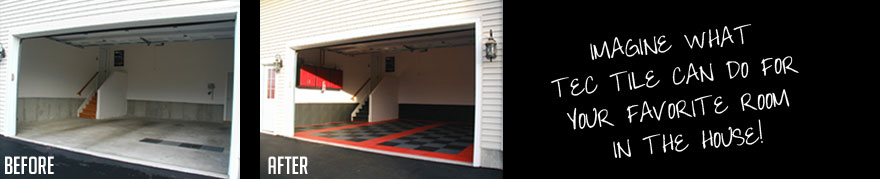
(87, 13)
(283, 22)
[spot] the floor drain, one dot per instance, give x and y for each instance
(183, 144)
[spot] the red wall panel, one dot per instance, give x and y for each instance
(307, 76)
(315, 77)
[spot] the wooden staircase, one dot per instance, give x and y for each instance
(91, 108)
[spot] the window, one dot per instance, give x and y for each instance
(271, 84)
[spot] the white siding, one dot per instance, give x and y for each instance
(5, 117)
(25, 13)
(285, 21)
(85, 15)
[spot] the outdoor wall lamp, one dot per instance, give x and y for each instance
(491, 47)
(2, 51)
(276, 64)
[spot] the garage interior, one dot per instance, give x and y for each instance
(153, 95)
(409, 94)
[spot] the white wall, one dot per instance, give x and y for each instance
(111, 96)
(54, 70)
(438, 76)
(178, 72)
(383, 100)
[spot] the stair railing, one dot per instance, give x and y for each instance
(79, 93)
(360, 98)
(359, 89)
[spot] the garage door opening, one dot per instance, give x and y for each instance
(158, 95)
(409, 94)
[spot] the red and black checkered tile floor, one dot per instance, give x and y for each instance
(304, 128)
(436, 139)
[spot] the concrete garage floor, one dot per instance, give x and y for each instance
(122, 138)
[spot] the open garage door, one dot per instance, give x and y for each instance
(422, 105)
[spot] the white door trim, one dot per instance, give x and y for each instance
(11, 80)
(289, 66)
(235, 145)
(478, 92)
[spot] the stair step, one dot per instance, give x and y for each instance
(90, 116)
(364, 113)
(90, 108)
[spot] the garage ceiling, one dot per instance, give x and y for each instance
(412, 43)
(151, 35)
